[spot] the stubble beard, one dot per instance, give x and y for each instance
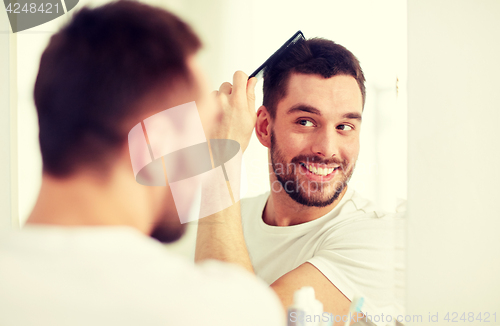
(168, 227)
(310, 193)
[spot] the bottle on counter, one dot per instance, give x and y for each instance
(306, 310)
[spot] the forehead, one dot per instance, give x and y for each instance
(337, 94)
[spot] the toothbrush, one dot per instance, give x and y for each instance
(355, 306)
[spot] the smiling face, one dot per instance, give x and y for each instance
(314, 138)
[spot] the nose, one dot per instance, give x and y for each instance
(326, 143)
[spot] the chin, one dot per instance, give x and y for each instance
(316, 200)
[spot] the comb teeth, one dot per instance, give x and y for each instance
(276, 55)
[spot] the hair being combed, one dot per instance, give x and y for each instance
(313, 56)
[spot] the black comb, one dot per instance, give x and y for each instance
(277, 55)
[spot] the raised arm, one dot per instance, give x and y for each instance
(220, 236)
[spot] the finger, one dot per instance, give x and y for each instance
(215, 97)
(251, 93)
(225, 88)
(239, 82)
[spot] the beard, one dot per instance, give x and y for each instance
(168, 230)
(324, 193)
(168, 227)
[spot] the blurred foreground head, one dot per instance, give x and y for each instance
(96, 73)
(108, 69)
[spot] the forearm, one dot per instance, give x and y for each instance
(220, 237)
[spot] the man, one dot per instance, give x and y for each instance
(311, 229)
(85, 256)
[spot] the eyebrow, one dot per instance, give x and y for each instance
(313, 110)
(303, 108)
(352, 115)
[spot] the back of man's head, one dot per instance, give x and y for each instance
(94, 74)
(313, 56)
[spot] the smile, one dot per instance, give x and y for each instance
(319, 170)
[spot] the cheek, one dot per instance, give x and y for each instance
(296, 143)
(350, 150)
(290, 142)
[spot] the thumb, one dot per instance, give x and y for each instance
(251, 93)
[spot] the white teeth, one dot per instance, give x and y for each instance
(319, 170)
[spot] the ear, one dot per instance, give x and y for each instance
(263, 126)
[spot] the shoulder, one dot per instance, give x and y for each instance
(255, 200)
(134, 267)
(360, 205)
(356, 251)
(221, 292)
(360, 213)
(254, 205)
(361, 223)
(241, 293)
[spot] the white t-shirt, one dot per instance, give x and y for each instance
(352, 245)
(117, 276)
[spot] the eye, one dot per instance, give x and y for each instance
(344, 127)
(305, 123)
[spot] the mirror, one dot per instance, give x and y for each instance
(241, 35)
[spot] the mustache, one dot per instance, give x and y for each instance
(318, 160)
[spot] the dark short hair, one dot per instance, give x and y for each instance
(313, 56)
(94, 73)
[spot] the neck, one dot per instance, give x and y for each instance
(83, 199)
(281, 210)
